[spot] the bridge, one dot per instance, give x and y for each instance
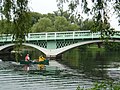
(55, 43)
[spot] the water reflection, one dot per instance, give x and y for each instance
(11, 79)
(79, 68)
(93, 64)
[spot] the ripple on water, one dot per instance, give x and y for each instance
(13, 80)
(20, 80)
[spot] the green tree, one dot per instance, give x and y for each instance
(87, 25)
(51, 16)
(65, 14)
(73, 27)
(34, 17)
(61, 23)
(99, 9)
(6, 27)
(43, 25)
(17, 10)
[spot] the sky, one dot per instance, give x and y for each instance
(48, 6)
(43, 6)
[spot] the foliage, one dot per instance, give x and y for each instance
(83, 48)
(16, 11)
(50, 16)
(6, 27)
(100, 10)
(117, 9)
(65, 14)
(112, 46)
(51, 23)
(73, 27)
(34, 17)
(61, 24)
(44, 24)
(87, 25)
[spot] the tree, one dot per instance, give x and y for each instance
(71, 14)
(99, 10)
(5, 27)
(73, 27)
(61, 23)
(43, 25)
(87, 25)
(17, 12)
(51, 16)
(34, 17)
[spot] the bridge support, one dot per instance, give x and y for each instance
(51, 57)
(54, 57)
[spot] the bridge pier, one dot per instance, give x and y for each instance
(51, 57)
(54, 57)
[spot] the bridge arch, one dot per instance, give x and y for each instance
(26, 44)
(61, 50)
(55, 52)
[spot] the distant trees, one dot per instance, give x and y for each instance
(112, 46)
(59, 23)
(6, 27)
(43, 25)
(100, 11)
(18, 12)
(87, 25)
(62, 22)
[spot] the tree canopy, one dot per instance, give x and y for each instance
(99, 9)
(43, 24)
(17, 11)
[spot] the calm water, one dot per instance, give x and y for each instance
(82, 69)
(22, 80)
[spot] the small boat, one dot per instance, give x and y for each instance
(45, 62)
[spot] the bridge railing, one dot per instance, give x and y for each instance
(6, 37)
(63, 35)
(58, 35)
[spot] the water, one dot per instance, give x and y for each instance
(79, 69)
(22, 80)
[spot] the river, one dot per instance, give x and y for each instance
(77, 69)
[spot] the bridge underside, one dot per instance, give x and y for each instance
(57, 47)
(55, 44)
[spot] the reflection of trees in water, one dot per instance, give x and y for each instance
(90, 66)
(92, 63)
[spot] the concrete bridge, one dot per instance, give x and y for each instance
(55, 43)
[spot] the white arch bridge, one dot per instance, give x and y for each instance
(55, 43)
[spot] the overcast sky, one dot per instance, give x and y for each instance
(43, 6)
(48, 6)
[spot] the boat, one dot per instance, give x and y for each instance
(45, 62)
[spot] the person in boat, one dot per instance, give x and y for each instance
(27, 58)
(41, 66)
